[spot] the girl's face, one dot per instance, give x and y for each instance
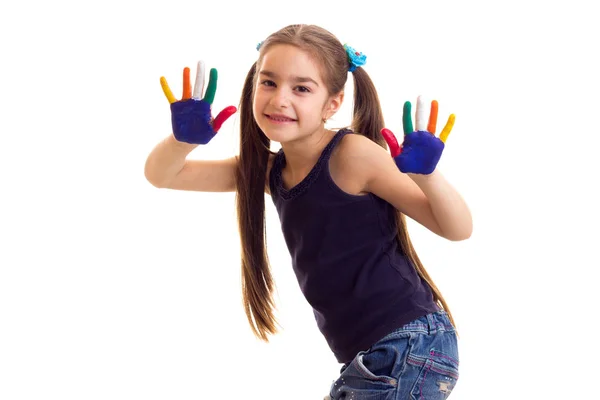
(290, 98)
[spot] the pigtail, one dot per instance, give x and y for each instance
(367, 116)
(257, 281)
(368, 121)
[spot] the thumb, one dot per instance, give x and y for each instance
(390, 138)
(222, 117)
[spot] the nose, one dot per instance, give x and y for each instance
(280, 98)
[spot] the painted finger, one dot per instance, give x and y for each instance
(222, 117)
(167, 90)
(199, 84)
(446, 131)
(433, 114)
(420, 117)
(407, 119)
(187, 88)
(392, 142)
(209, 97)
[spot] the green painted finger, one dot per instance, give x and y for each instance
(209, 97)
(407, 119)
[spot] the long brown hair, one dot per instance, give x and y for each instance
(255, 148)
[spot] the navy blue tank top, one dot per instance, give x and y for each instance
(347, 259)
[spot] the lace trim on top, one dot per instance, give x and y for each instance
(301, 187)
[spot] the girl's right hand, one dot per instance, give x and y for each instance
(191, 117)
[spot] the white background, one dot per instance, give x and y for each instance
(113, 289)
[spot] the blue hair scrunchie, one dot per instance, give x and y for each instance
(355, 58)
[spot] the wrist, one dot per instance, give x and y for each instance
(422, 178)
(182, 146)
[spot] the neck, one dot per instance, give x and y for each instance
(301, 155)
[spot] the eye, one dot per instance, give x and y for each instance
(303, 89)
(268, 83)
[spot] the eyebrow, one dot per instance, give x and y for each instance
(294, 78)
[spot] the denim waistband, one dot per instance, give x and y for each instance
(429, 324)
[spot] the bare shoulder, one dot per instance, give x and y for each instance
(359, 146)
(352, 162)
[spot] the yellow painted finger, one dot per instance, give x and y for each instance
(446, 131)
(167, 90)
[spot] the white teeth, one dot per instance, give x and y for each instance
(280, 119)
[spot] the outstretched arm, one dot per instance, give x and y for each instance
(409, 179)
(418, 157)
(167, 165)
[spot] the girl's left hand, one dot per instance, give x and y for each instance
(421, 149)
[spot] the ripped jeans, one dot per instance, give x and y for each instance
(418, 361)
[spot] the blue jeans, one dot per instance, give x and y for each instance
(418, 361)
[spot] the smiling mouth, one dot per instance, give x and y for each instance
(279, 118)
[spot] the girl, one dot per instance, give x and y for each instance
(341, 200)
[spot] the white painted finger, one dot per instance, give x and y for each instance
(421, 115)
(199, 84)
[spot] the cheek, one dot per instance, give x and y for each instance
(258, 107)
(255, 107)
(258, 102)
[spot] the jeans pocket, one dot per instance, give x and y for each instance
(361, 362)
(437, 375)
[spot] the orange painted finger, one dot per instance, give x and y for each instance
(447, 129)
(187, 87)
(433, 115)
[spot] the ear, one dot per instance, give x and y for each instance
(333, 105)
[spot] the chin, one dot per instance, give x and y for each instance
(279, 136)
(279, 133)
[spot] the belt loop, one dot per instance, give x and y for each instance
(431, 323)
